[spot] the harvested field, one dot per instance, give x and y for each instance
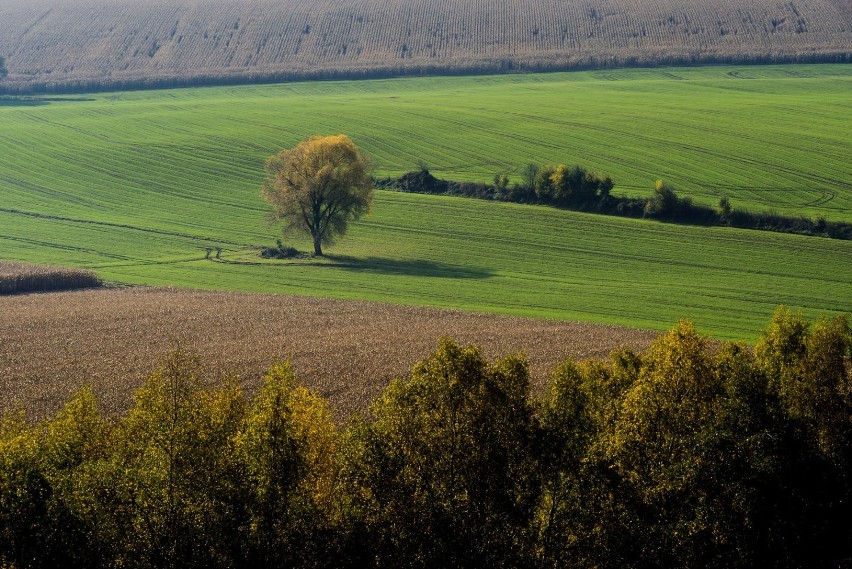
(17, 278)
(111, 339)
(56, 45)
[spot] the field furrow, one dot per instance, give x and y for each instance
(75, 44)
(140, 185)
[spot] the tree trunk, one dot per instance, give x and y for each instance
(318, 245)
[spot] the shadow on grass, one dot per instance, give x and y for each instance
(412, 267)
(377, 265)
(14, 101)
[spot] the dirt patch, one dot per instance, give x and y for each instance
(111, 339)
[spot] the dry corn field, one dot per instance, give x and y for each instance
(87, 44)
(16, 278)
(111, 339)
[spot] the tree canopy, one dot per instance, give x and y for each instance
(691, 454)
(318, 187)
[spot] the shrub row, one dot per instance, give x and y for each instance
(691, 454)
(577, 189)
(18, 278)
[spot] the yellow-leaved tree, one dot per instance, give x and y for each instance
(318, 187)
(444, 475)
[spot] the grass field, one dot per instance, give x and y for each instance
(137, 185)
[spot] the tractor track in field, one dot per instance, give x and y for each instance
(205, 240)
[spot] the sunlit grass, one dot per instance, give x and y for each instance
(139, 185)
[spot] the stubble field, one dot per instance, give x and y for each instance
(96, 43)
(111, 339)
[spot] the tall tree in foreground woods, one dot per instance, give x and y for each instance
(445, 475)
(318, 187)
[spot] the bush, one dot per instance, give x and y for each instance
(724, 209)
(663, 203)
(16, 278)
(279, 251)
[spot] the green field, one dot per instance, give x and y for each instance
(138, 184)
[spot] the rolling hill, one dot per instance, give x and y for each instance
(54, 45)
(139, 185)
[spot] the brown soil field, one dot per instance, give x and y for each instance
(111, 339)
(62, 45)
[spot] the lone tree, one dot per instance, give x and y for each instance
(317, 187)
(3, 71)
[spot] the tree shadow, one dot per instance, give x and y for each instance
(413, 267)
(15, 102)
(26, 101)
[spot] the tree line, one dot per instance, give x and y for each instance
(691, 454)
(498, 65)
(576, 188)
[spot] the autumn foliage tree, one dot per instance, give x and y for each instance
(690, 454)
(445, 475)
(318, 187)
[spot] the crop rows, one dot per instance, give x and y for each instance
(96, 43)
(18, 278)
(348, 351)
(139, 185)
(779, 142)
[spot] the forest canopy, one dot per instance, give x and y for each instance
(690, 454)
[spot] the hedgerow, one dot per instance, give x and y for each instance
(18, 278)
(577, 189)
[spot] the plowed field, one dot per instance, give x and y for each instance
(52, 44)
